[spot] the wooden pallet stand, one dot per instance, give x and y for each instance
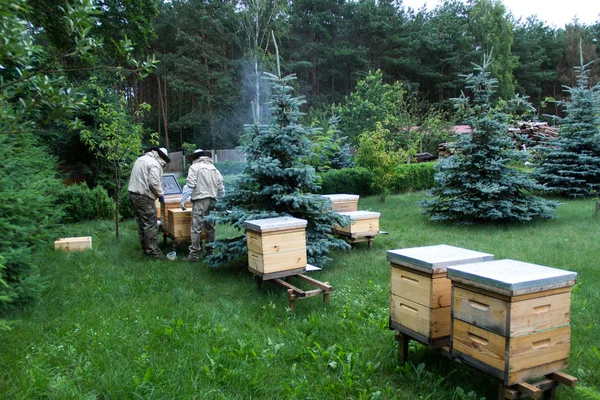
(295, 293)
(511, 319)
(420, 293)
(343, 202)
(542, 389)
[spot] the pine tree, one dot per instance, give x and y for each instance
(477, 184)
(278, 181)
(571, 165)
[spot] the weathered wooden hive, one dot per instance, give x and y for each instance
(276, 246)
(511, 319)
(343, 202)
(421, 293)
(362, 223)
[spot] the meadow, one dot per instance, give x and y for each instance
(112, 324)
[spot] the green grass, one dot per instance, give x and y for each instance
(114, 325)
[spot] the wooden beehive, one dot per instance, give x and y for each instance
(362, 223)
(420, 292)
(343, 202)
(276, 246)
(172, 202)
(73, 243)
(180, 221)
(511, 319)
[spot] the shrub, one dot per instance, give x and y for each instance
(125, 210)
(409, 177)
(82, 203)
(348, 180)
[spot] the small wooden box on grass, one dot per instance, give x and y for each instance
(511, 319)
(276, 246)
(180, 221)
(343, 202)
(421, 293)
(73, 243)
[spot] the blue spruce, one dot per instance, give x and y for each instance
(478, 182)
(571, 166)
(278, 181)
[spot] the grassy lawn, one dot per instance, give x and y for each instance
(113, 325)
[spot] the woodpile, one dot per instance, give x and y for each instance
(528, 134)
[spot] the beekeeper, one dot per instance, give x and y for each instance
(145, 186)
(204, 184)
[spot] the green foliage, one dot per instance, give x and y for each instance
(478, 184)
(380, 155)
(82, 203)
(330, 149)
(114, 138)
(278, 182)
(32, 96)
(416, 176)
(355, 180)
(571, 166)
(28, 215)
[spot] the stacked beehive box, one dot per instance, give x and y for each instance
(276, 246)
(179, 223)
(362, 224)
(343, 202)
(511, 319)
(172, 202)
(421, 293)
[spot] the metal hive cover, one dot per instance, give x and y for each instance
(356, 215)
(435, 259)
(512, 277)
(274, 224)
(341, 197)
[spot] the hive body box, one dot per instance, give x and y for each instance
(73, 243)
(276, 246)
(511, 319)
(172, 202)
(421, 293)
(180, 221)
(343, 202)
(362, 223)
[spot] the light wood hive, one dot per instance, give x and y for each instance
(511, 319)
(420, 292)
(276, 244)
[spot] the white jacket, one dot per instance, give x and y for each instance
(146, 175)
(204, 180)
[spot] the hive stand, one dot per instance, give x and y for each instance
(420, 293)
(543, 389)
(295, 293)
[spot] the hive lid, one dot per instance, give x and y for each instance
(435, 259)
(170, 184)
(341, 197)
(510, 277)
(356, 215)
(274, 224)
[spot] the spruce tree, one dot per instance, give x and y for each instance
(477, 183)
(571, 165)
(278, 181)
